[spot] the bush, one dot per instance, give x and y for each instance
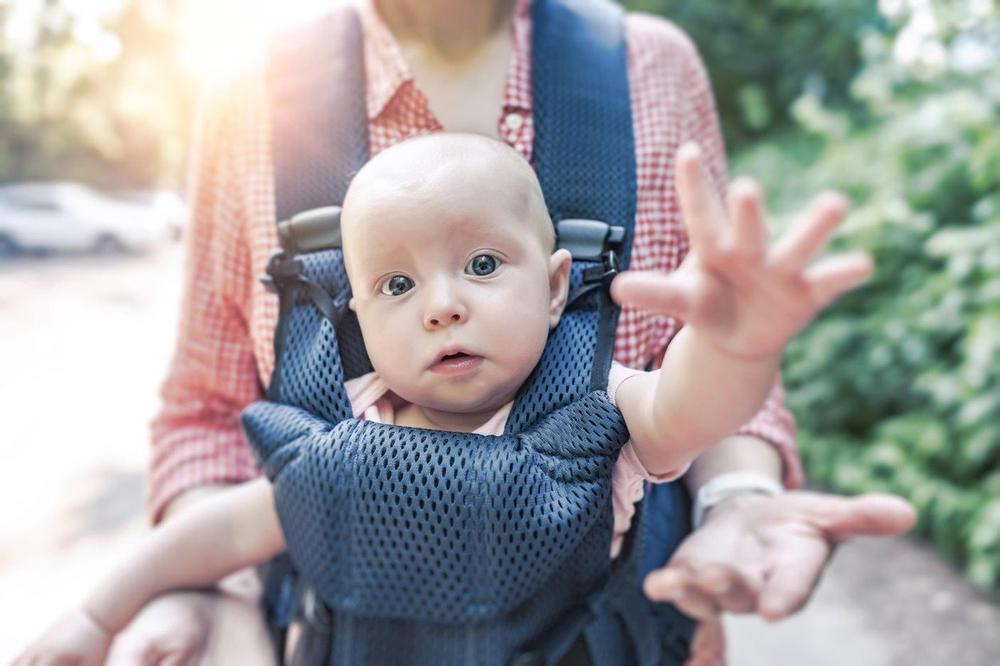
(762, 56)
(898, 386)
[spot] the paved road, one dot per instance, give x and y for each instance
(85, 342)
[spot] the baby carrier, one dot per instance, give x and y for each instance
(410, 546)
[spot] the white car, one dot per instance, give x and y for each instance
(169, 206)
(70, 217)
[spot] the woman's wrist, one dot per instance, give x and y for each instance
(739, 453)
(731, 490)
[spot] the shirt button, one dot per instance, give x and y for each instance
(513, 121)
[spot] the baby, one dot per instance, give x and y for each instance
(456, 283)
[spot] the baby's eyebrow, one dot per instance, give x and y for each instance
(481, 229)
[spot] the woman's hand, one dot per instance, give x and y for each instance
(746, 295)
(188, 628)
(765, 555)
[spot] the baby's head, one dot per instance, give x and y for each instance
(456, 281)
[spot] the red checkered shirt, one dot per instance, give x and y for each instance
(224, 354)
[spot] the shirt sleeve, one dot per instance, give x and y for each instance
(196, 437)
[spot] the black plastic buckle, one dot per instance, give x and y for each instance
(281, 269)
(605, 272)
(316, 613)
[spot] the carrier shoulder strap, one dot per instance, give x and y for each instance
(584, 155)
(316, 76)
(319, 134)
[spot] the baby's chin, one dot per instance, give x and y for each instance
(463, 400)
(465, 404)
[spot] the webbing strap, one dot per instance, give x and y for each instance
(580, 89)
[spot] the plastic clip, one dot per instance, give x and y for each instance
(281, 269)
(605, 271)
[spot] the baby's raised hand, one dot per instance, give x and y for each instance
(748, 296)
(75, 640)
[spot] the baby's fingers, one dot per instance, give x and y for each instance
(831, 277)
(797, 247)
(662, 293)
(701, 209)
(748, 236)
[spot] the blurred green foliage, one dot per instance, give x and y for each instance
(762, 55)
(896, 103)
(898, 386)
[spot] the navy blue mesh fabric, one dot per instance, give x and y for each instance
(428, 525)
(584, 150)
(563, 373)
(443, 530)
(316, 355)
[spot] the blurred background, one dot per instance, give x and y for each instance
(895, 102)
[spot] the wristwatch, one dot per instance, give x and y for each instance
(729, 485)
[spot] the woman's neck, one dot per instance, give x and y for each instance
(452, 30)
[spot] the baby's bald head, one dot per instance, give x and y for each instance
(457, 167)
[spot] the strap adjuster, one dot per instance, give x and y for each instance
(311, 230)
(281, 270)
(605, 271)
(593, 240)
(588, 240)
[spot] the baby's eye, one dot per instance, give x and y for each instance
(482, 264)
(397, 285)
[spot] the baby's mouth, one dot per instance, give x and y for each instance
(456, 363)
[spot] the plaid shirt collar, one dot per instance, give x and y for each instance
(387, 73)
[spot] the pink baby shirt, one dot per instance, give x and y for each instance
(371, 400)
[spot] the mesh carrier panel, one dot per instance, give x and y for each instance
(406, 523)
(315, 357)
(428, 525)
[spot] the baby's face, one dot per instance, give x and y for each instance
(454, 281)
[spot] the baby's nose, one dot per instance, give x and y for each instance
(444, 309)
(443, 319)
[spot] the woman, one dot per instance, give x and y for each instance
(465, 66)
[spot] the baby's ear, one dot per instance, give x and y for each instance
(350, 304)
(559, 265)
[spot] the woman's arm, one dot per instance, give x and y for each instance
(213, 374)
(738, 453)
(232, 529)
